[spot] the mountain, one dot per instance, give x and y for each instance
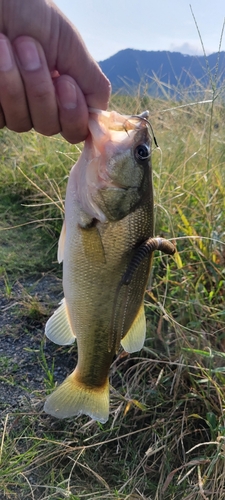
(128, 68)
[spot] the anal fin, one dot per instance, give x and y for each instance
(58, 328)
(134, 339)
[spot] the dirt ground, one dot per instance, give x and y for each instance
(25, 353)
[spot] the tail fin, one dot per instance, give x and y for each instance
(74, 398)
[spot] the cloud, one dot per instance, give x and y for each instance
(188, 48)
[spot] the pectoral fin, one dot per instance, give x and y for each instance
(61, 243)
(135, 337)
(58, 328)
(92, 245)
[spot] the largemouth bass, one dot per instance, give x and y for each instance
(106, 246)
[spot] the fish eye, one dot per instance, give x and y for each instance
(142, 152)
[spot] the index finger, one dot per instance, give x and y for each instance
(74, 59)
(63, 46)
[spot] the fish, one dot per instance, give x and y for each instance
(106, 246)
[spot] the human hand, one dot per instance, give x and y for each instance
(47, 77)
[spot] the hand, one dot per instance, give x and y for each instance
(47, 77)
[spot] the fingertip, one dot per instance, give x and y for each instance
(66, 92)
(73, 111)
(107, 90)
(2, 118)
(100, 93)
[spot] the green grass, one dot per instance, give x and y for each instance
(34, 172)
(165, 439)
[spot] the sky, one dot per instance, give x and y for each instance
(110, 26)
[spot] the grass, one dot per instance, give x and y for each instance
(165, 439)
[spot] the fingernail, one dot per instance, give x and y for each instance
(6, 62)
(67, 94)
(27, 54)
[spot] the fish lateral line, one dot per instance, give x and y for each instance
(146, 248)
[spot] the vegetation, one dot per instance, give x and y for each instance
(165, 439)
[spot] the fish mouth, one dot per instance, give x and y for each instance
(113, 121)
(116, 121)
(144, 117)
